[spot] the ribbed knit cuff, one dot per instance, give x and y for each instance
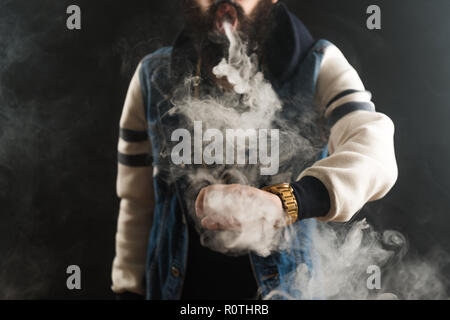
(312, 198)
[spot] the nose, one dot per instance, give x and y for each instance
(217, 2)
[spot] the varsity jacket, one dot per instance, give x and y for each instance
(357, 166)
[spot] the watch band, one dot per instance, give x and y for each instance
(285, 192)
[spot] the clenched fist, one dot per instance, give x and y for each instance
(235, 206)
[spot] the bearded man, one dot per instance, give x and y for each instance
(160, 252)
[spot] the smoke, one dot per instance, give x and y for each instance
(255, 217)
(353, 262)
(250, 104)
(59, 107)
(55, 85)
(360, 263)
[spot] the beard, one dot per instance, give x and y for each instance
(212, 45)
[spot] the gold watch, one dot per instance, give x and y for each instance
(285, 192)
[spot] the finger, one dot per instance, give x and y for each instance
(200, 204)
(220, 224)
(210, 224)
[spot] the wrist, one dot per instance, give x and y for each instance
(312, 197)
(286, 198)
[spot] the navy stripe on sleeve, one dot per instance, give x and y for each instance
(135, 160)
(343, 94)
(133, 135)
(347, 108)
(312, 198)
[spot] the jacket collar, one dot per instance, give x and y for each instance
(286, 47)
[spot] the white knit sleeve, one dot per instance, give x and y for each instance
(361, 165)
(135, 188)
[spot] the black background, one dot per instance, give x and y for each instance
(61, 95)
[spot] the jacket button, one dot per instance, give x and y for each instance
(175, 272)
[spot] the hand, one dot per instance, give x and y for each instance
(229, 207)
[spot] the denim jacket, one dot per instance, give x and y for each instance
(293, 73)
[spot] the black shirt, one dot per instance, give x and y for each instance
(214, 276)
